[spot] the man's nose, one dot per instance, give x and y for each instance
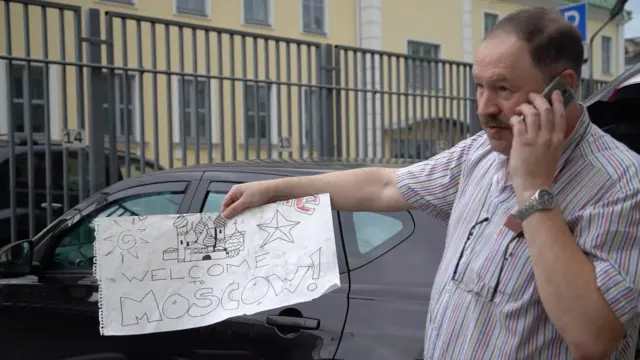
(486, 105)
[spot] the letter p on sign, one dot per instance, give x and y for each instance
(576, 14)
(573, 17)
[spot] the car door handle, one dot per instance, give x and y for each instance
(301, 323)
(54, 206)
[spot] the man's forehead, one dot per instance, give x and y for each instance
(500, 58)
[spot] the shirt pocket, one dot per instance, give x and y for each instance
(494, 266)
(513, 280)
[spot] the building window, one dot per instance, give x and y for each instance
(423, 75)
(313, 16)
(125, 103)
(36, 104)
(606, 55)
(192, 7)
(195, 105)
(311, 116)
(256, 12)
(256, 111)
(490, 20)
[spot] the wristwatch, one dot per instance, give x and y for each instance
(543, 199)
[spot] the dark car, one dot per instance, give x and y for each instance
(386, 261)
(616, 107)
(61, 200)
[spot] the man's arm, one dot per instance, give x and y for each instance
(588, 298)
(430, 185)
(367, 189)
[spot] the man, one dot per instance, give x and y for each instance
(543, 252)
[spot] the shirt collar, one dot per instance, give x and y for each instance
(578, 133)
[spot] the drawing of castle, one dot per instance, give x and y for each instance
(206, 240)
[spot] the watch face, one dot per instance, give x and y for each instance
(545, 199)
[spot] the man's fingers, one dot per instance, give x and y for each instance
(531, 119)
(517, 126)
(546, 114)
(560, 116)
(233, 210)
(227, 201)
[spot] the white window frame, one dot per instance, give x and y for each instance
(52, 91)
(439, 68)
(316, 123)
(486, 12)
(273, 113)
(325, 25)
(136, 104)
(609, 54)
(270, 15)
(176, 110)
(206, 15)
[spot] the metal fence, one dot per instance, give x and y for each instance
(95, 97)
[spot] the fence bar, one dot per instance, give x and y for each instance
(111, 103)
(47, 118)
(10, 130)
(96, 99)
(65, 109)
(154, 100)
(28, 125)
(143, 154)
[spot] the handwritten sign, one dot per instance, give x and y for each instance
(171, 272)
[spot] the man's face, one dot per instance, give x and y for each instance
(505, 75)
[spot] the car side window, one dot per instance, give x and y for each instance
(213, 202)
(75, 249)
(368, 235)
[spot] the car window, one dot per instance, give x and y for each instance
(75, 249)
(373, 229)
(370, 234)
(213, 202)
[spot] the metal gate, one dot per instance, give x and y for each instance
(93, 98)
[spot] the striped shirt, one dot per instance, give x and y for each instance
(484, 302)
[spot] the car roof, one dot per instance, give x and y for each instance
(605, 93)
(289, 167)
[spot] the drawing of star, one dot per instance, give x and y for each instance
(279, 228)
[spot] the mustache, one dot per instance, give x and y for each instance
(490, 121)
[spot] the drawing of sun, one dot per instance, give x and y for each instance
(125, 245)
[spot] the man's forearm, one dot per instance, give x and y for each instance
(368, 189)
(566, 281)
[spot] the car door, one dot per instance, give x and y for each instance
(258, 333)
(392, 258)
(58, 310)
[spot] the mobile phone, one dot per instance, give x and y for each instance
(558, 83)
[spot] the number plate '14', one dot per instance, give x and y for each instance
(73, 138)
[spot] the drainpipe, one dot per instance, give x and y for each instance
(616, 10)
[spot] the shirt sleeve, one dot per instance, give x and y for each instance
(609, 232)
(432, 185)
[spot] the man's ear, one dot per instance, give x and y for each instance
(571, 78)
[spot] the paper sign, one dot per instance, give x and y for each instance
(171, 272)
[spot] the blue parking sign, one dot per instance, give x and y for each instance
(577, 15)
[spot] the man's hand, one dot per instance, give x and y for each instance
(538, 141)
(244, 196)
